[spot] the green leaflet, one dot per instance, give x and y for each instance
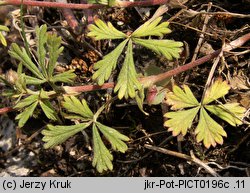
(101, 31)
(73, 105)
(180, 121)
(152, 29)
(54, 51)
(42, 36)
(26, 114)
(21, 55)
(168, 48)
(26, 102)
(4, 28)
(218, 89)
(207, 130)
(127, 83)
(181, 98)
(232, 113)
(2, 38)
(67, 77)
(54, 135)
(105, 66)
(139, 97)
(48, 109)
(102, 157)
(114, 137)
(33, 80)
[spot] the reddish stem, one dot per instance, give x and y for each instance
(149, 79)
(5, 110)
(70, 18)
(82, 6)
(155, 78)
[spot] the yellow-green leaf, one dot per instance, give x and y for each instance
(209, 131)
(168, 48)
(181, 98)
(217, 90)
(101, 30)
(151, 28)
(180, 121)
(2, 38)
(232, 113)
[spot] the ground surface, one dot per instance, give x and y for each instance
(73, 158)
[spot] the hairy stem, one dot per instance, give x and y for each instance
(83, 6)
(149, 80)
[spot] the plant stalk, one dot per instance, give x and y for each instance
(82, 6)
(149, 80)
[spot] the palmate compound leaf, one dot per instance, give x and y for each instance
(127, 83)
(232, 113)
(209, 131)
(54, 135)
(151, 28)
(30, 103)
(73, 105)
(217, 90)
(168, 48)
(105, 66)
(180, 121)
(100, 31)
(181, 98)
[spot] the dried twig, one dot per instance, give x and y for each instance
(184, 156)
(211, 73)
(201, 38)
